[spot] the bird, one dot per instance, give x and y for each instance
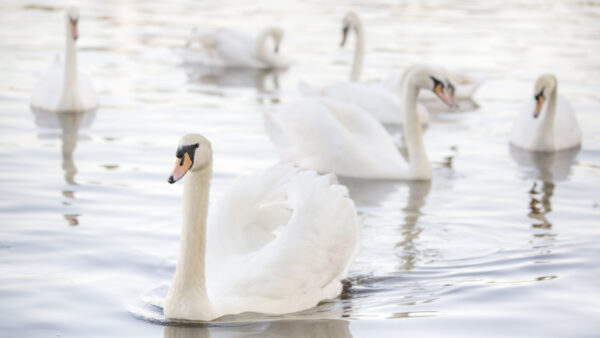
(277, 241)
(380, 101)
(334, 136)
(546, 122)
(229, 48)
(64, 88)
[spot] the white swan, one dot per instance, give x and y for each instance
(278, 242)
(383, 104)
(352, 22)
(548, 122)
(65, 89)
(466, 85)
(334, 136)
(228, 48)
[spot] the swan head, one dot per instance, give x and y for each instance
(430, 79)
(544, 85)
(350, 21)
(72, 20)
(194, 153)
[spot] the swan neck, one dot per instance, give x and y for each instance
(419, 166)
(359, 53)
(189, 284)
(545, 132)
(70, 90)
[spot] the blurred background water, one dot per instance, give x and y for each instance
(499, 242)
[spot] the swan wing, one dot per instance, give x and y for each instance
(333, 136)
(374, 98)
(47, 92)
(296, 234)
(567, 133)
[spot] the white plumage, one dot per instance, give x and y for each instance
(333, 136)
(64, 88)
(384, 105)
(276, 242)
(228, 48)
(546, 125)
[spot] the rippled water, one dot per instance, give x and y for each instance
(499, 243)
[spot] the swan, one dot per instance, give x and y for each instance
(352, 22)
(228, 48)
(466, 85)
(385, 105)
(65, 89)
(278, 242)
(334, 136)
(546, 123)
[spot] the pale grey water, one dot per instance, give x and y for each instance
(498, 244)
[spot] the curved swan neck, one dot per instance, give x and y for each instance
(359, 53)
(545, 129)
(70, 91)
(189, 285)
(418, 162)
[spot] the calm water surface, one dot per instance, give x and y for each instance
(499, 243)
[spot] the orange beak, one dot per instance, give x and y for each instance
(182, 165)
(439, 91)
(539, 102)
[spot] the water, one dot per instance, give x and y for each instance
(499, 243)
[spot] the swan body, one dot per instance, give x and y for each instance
(277, 242)
(385, 106)
(333, 136)
(548, 122)
(64, 88)
(228, 48)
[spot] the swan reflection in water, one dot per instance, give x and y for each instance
(374, 193)
(285, 328)
(547, 168)
(69, 125)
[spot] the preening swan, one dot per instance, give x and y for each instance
(334, 136)
(65, 89)
(277, 242)
(548, 122)
(228, 48)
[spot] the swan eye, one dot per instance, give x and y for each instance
(540, 94)
(436, 83)
(189, 149)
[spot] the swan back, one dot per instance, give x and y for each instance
(332, 136)
(229, 48)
